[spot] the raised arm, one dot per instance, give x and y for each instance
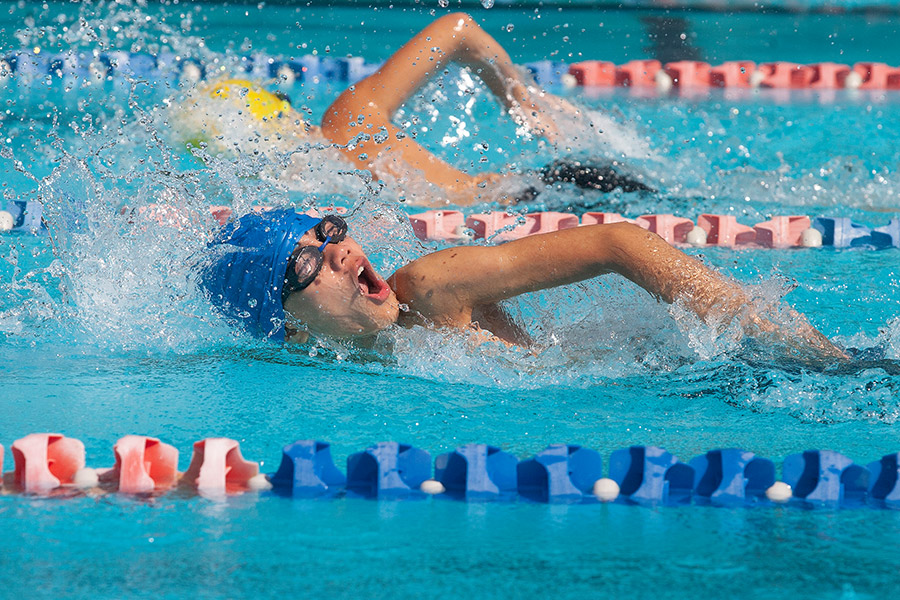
(447, 285)
(369, 106)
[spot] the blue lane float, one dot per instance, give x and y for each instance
(307, 470)
(842, 232)
(651, 475)
(731, 476)
(388, 470)
(477, 472)
(560, 473)
(884, 480)
(826, 477)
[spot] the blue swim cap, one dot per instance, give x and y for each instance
(245, 272)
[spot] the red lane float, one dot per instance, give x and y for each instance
(669, 227)
(592, 73)
(724, 230)
(602, 218)
(143, 465)
(638, 73)
(218, 467)
(782, 232)
(828, 75)
(732, 74)
(441, 225)
(875, 76)
(46, 461)
(688, 73)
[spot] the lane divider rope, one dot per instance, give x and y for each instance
(52, 464)
(454, 227)
(646, 74)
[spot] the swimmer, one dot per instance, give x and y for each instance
(359, 122)
(285, 275)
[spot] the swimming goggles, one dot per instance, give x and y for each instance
(305, 263)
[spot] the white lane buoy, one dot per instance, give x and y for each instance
(696, 237)
(85, 478)
(191, 73)
(568, 81)
(756, 78)
(259, 482)
(286, 76)
(432, 487)
(780, 492)
(811, 238)
(606, 489)
(663, 81)
(7, 221)
(853, 80)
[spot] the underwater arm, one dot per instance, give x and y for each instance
(369, 106)
(473, 276)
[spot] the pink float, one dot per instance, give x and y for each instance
(143, 464)
(781, 232)
(785, 75)
(669, 227)
(602, 218)
(592, 73)
(438, 225)
(688, 73)
(45, 461)
(641, 73)
(488, 224)
(876, 76)
(217, 466)
(724, 230)
(732, 74)
(546, 222)
(828, 75)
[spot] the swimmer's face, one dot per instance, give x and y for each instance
(348, 298)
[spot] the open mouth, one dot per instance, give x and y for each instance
(370, 284)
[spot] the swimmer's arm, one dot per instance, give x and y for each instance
(473, 276)
(454, 37)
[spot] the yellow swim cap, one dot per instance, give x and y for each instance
(263, 104)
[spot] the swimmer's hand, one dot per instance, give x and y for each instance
(803, 341)
(540, 112)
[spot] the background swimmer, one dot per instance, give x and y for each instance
(359, 122)
(283, 275)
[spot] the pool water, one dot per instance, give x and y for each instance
(103, 332)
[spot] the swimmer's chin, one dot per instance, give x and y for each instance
(361, 335)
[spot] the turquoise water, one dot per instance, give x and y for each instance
(103, 333)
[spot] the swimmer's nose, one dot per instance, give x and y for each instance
(336, 255)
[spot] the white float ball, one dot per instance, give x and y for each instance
(286, 75)
(191, 73)
(853, 80)
(606, 489)
(696, 237)
(7, 221)
(85, 478)
(780, 492)
(756, 78)
(811, 238)
(663, 81)
(432, 487)
(568, 81)
(259, 482)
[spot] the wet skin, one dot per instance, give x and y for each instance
(461, 287)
